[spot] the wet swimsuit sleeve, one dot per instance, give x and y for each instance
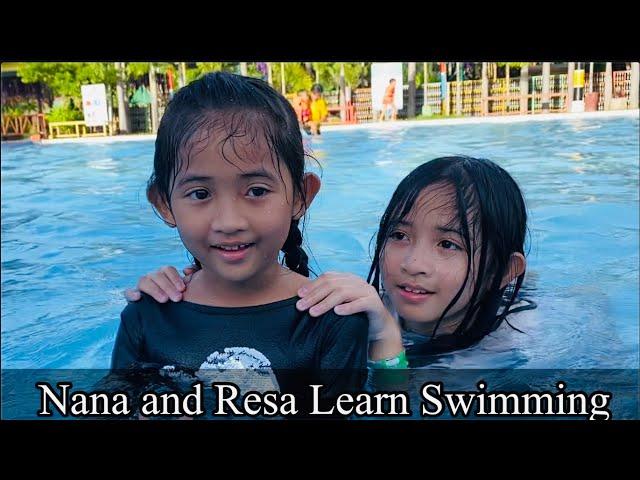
(344, 351)
(129, 343)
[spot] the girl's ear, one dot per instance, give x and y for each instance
(311, 184)
(160, 205)
(516, 267)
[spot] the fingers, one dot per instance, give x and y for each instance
(163, 284)
(315, 295)
(173, 276)
(381, 323)
(358, 305)
(335, 298)
(190, 270)
(329, 290)
(159, 291)
(318, 281)
(330, 279)
(148, 286)
(132, 294)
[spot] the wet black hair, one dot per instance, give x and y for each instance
(242, 107)
(496, 207)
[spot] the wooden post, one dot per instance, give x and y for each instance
(39, 86)
(269, 74)
(308, 67)
(342, 100)
(282, 79)
(524, 89)
(243, 69)
(507, 81)
(411, 104)
(153, 89)
(546, 69)
(183, 74)
(425, 106)
(123, 105)
(608, 86)
(484, 90)
(458, 88)
(569, 98)
(635, 85)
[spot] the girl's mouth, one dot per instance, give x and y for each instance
(414, 294)
(233, 252)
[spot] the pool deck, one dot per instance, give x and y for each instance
(397, 124)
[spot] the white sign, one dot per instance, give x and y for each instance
(381, 73)
(94, 104)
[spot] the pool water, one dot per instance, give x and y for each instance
(77, 230)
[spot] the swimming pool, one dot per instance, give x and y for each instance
(77, 230)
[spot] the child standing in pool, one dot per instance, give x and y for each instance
(229, 175)
(319, 110)
(448, 264)
(302, 106)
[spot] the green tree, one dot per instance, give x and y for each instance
(296, 77)
(65, 78)
(206, 67)
(354, 74)
(137, 69)
(253, 70)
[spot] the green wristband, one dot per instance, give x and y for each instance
(399, 361)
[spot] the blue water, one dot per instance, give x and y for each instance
(77, 230)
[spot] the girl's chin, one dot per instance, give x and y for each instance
(418, 324)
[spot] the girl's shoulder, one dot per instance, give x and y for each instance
(348, 326)
(143, 308)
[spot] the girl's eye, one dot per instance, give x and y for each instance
(199, 194)
(447, 245)
(257, 192)
(397, 235)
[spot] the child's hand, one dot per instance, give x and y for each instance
(162, 284)
(346, 294)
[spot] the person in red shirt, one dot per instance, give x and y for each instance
(388, 101)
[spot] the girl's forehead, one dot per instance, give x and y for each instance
(245, 138)
(241, 148)
(435, 203)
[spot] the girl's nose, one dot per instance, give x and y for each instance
(417, 263)
(229, 218)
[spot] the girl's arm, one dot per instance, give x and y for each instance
(348, 294)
